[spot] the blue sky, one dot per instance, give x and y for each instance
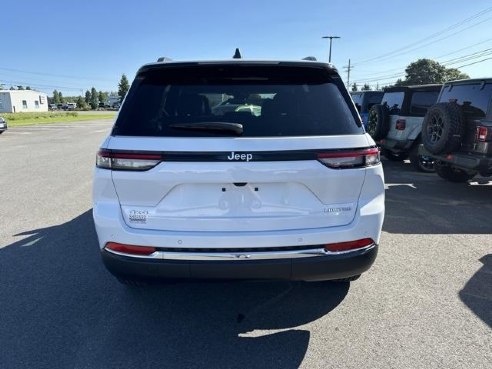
(74, 45)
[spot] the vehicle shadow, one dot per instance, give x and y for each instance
(477, 293)
(61, 309)
(423, 203)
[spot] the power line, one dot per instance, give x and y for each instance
(54, 75)
(457, 60)
(411, 47)
(480, 61)
(464, 48)
(384, 73)
(469, 57)
(18, 83)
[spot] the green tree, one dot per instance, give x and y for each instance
(424, 71)
(103, 96)
(80, 102)
(28, 87)
(62, 100)
(123, 87)
(56, 97)
(454, 74)
(94, 102)
(354, 87)
(87, 97)
(366, 87)
(20, 87)
(399, 82)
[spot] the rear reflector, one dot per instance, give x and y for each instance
(350, 245)
(107, 159)
(350, 159)
(130, 249)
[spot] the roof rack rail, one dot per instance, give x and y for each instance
(164, 59)
(310, 58)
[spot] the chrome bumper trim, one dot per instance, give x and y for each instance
(215, 256)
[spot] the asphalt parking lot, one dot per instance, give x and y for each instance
(426, 303)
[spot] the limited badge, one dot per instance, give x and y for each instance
(138, 216)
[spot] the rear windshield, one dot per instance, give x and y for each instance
(422, 100)
(394, 101)
(474, 98)
(265, 101)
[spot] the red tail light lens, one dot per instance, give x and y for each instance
(126, 160)
(350, 159)
(350, 245)
(481, 134)
(130, 249)
(401, 124)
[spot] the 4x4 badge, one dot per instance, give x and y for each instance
(242, 157)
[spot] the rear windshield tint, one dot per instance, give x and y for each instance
(394, 101)
(266, 101)
(422, 100)
(474, 98)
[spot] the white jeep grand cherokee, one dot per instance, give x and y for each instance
(290, 188)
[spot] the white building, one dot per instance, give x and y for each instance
(22, 101)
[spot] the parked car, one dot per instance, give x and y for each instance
(3, 125)
(457, 131)
(296, 193)
(396, 123)
(364, 101)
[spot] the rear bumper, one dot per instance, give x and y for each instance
(316, 268)
(467, 161)
(396, 145)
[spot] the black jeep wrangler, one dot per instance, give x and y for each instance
(457, 131)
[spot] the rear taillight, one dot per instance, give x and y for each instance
(107, 159)
(481, 134)
(130, 249)
(400, 124)
(350, 245)
(350, 159)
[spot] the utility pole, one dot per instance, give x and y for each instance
(348, 68)
(331, 39)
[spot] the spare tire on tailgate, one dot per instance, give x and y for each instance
(443, 128)
(378, 121)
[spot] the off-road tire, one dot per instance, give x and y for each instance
(453, 174)
(443, 128)
(378, 122)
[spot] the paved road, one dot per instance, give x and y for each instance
(426, 303)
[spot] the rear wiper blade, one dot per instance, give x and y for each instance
(237, 128)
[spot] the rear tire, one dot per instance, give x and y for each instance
(419, 162)
(443, 128)
(392, 156)
(378, 122)
(453, 174)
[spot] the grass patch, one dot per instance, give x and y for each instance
(26, 119)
